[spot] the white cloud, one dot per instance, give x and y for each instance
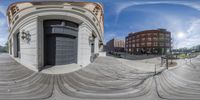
(2, 22)
(194, 28)
(192, 34)
(3, 31)
(3, 35)
(120, 6)
(111, 35)
(3, 10)
(123, 5)
(3, 26)
(3, 41)
(189, 41)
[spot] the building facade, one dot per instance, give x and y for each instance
(50, 33)
(148, 42)
(115, 45)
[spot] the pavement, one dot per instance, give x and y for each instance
(147, 64)
(61, 69)
(107, 78)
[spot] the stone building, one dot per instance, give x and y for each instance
(115, 45)
(51, 33)
(148, 42)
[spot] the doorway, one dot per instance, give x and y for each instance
(18, 45)
(60, 42)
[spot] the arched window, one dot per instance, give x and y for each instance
(14, 10)
(96, 10)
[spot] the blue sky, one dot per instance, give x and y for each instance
(180, 17)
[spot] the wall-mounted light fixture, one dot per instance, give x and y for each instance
(26, 36)
(91, 39)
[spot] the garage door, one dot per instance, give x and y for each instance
(60, 43)
(65, 50)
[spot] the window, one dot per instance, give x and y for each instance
(167, 39)
(162, 39)
(14, 10)
(167, 35)
(137, 45)
(95, 11)
(167, 44)
(71, 24)
(126, 46)
(143, 39)
(148, 43)
(162, 44)
(149, 39)
(155, 38)
(162, 35)
(143, 35)
(143, 44)
(155, 44)
(129, 38)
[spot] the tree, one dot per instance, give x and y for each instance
(6, 47)
(172, 41)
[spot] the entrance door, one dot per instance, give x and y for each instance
(60, 43)
(92, 44)
(18, 45)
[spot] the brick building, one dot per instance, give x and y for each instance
(115, 45)
(148, 42)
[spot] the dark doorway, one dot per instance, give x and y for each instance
(10, 47)
(18, 45)
(60, 42)
(92, 44)
(92, 57)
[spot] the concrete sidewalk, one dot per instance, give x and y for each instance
(61, 69)
(105, 78)
(147, 65)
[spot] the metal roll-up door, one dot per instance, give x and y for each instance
(66, 51)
